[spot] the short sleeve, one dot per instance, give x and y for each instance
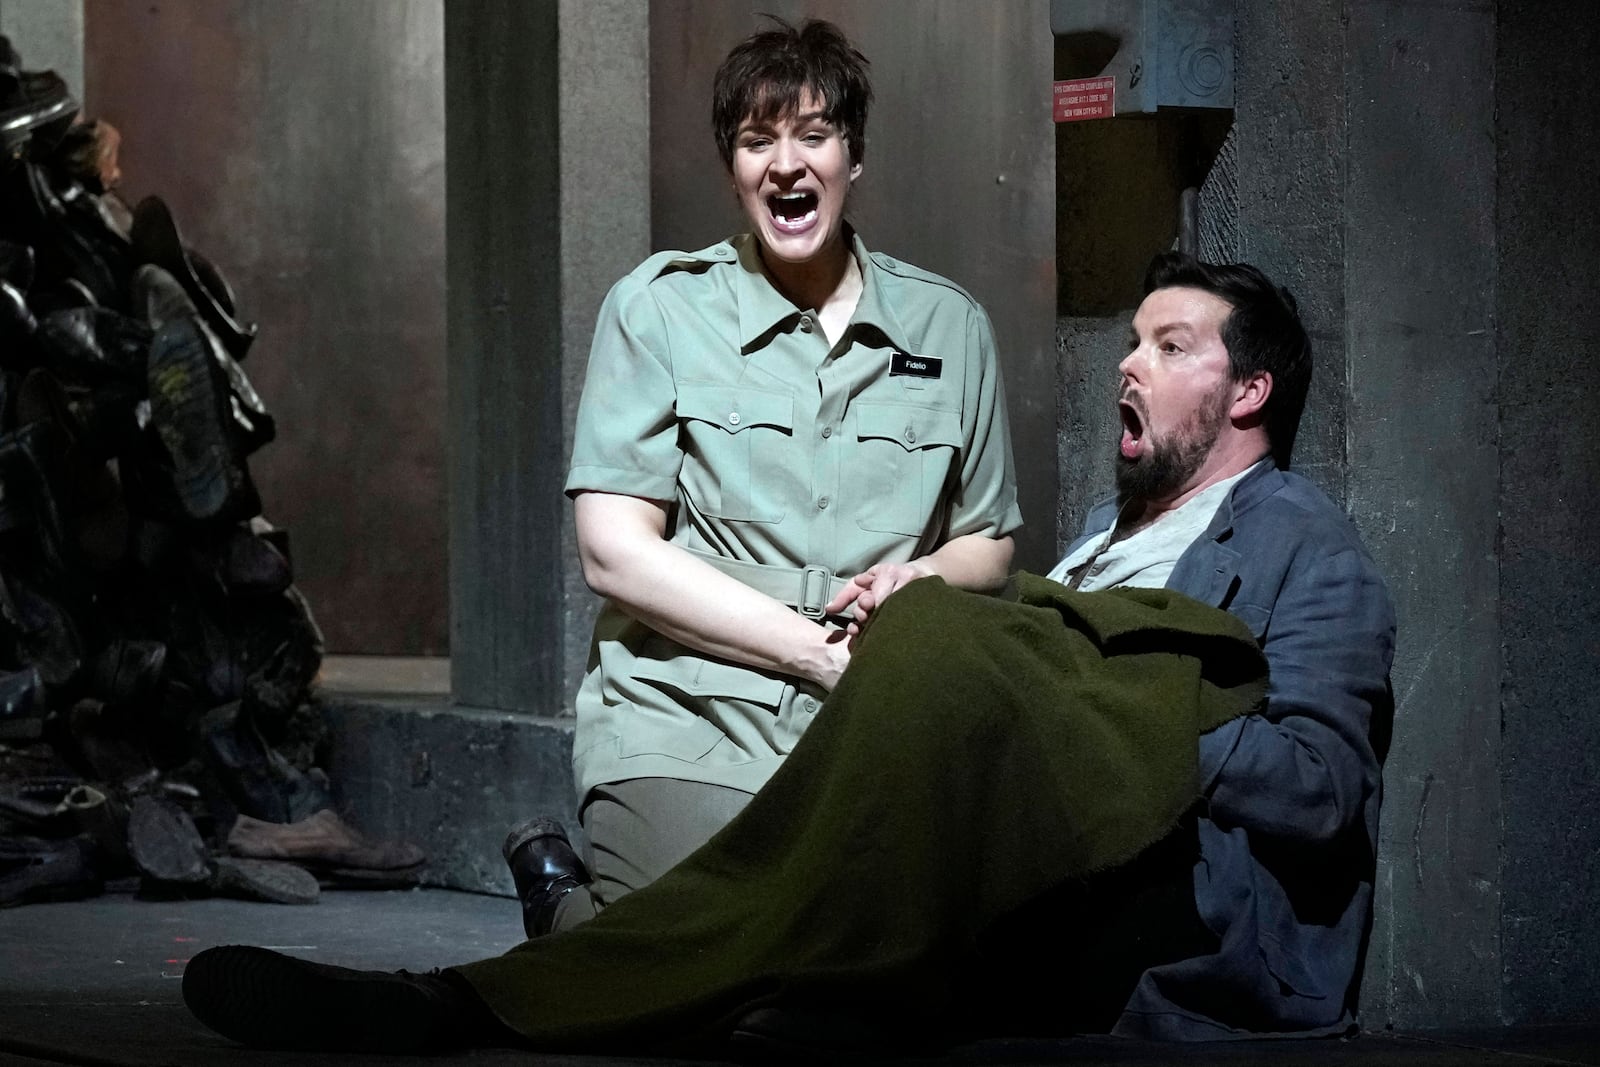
(626, 436)
(986, 501)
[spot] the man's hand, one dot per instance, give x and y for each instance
(872, 587)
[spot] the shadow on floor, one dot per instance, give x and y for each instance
(97, 982)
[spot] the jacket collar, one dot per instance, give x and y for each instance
(1207, 570)
(1208, 567)
(1264, 480)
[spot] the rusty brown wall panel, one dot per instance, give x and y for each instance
(301, 146)
(959, 172)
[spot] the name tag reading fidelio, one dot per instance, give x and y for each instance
(916, 366)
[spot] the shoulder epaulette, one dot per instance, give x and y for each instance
(901, 269)
(663, 263)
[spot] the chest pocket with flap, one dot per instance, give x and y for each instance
(907, 451)
(736, 449)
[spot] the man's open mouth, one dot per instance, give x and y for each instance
(1132, 429)
(793, 211)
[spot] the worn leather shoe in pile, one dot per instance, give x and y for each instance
(34, 870)
(156, 240)
(265, 999)
(171, 855)
(260, 782)
(29, 101)
(192, 412)
(36, 803)
(545, 867)
(330, 847)
(158, 296)
(21, 694)
(264, 880)
(164, 843)
(93, 345)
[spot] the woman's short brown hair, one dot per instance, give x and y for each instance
(768, 74)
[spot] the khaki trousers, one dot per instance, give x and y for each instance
(639, 829)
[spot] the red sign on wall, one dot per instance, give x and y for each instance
(1085, 98)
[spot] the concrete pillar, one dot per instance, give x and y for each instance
(49, 36)
(1549, 298)
(1422, 428)
(547, 163)
(605, 225)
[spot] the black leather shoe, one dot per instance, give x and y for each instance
(17, 323)
(33, 870)
(16, 265)
(156, 240)
(50, 220)
(192, 413)
(44, 635)
(545, 868)
(21, 694)
(127, 671)
(256, 778)
(160, 299)
(265, 999)
(33, 101)
(165, 845)
(243, 562)
(93, 345)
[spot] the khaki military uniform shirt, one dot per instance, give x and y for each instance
(709, 390)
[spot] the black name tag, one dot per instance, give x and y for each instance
(916, 366)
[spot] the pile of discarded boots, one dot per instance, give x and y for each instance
(149, 625)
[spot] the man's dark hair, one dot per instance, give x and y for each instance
(1263, 332)
(768, 73)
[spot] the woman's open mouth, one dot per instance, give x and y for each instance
(793, 212)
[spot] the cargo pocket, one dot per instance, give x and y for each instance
(733, 437)
(728, 702)
(906, 453)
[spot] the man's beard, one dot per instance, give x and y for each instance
(1173, 460)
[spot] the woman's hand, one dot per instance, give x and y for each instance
(972, 561)
(872, 587)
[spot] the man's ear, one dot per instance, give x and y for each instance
(1250, 396)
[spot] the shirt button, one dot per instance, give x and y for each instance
(911, 435)
(811, 705)
(827, 431)
(822, 503)
(887, 262)
(805, 323)
(733, 418)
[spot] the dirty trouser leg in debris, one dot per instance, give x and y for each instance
(977, 753)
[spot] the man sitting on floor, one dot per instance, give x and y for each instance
(1091, 806)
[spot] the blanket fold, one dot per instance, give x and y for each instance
(977, 752)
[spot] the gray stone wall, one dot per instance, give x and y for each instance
(1548, 220)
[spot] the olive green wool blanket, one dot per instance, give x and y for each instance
(978, 752)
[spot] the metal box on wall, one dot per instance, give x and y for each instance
(1161, 53)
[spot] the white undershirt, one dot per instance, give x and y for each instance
(1145, 558)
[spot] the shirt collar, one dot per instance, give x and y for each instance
(762, 308)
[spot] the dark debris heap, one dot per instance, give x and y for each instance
(150, 632)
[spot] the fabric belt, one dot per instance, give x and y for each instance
(806, 589)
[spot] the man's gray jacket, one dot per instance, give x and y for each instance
(1289, 824)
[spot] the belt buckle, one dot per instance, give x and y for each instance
(814, 598)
